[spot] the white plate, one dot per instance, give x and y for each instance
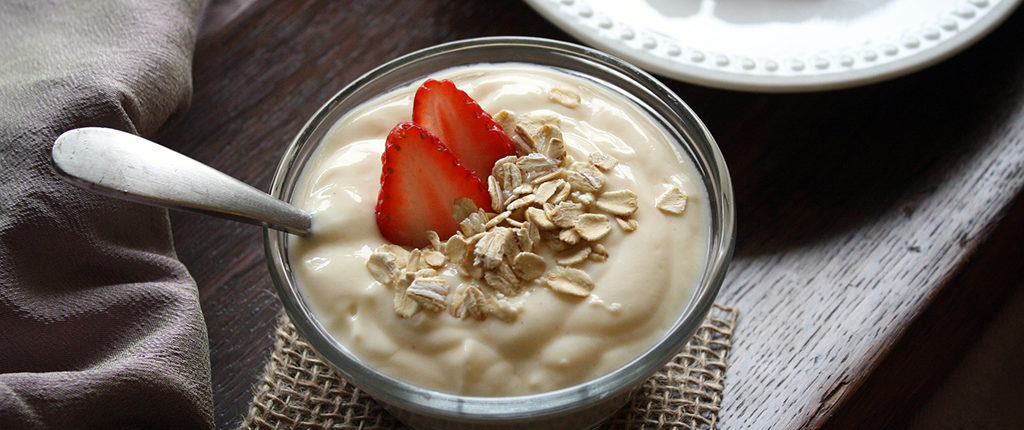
(778, 45)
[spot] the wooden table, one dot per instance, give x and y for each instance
(879, 227)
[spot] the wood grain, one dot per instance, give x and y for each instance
(857, 208)
(957, 317)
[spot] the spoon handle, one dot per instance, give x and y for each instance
(128, 167)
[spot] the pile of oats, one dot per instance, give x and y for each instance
(546, 203)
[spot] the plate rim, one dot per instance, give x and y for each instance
(996, 12)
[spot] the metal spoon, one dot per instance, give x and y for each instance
(128, 167)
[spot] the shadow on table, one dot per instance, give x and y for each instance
(809, 168)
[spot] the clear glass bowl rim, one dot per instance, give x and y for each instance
(396, 393)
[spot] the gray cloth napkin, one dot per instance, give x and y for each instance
(100, 324)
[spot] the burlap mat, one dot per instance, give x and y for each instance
(299, 390)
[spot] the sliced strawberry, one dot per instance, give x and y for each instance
(418, 186)
(462, 125)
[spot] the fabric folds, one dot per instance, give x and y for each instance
(100, 324)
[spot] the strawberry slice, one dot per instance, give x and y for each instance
(418, 186)
(462, 125)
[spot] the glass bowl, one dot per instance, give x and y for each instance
(580, 406)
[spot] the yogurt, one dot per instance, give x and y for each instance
(556, 341)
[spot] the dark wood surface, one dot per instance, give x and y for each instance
(868, 217)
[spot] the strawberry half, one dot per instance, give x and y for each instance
(418, 186)
(462, 125)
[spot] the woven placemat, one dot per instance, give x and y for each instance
(300, 390)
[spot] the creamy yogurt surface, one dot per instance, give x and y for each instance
(556, 341)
